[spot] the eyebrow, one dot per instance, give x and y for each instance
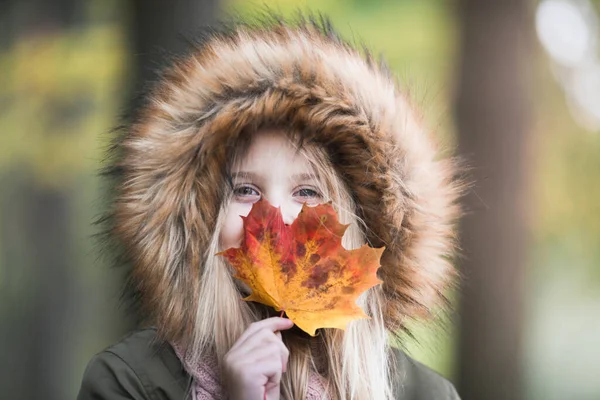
(305, 176)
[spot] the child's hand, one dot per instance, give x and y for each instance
(254, 365)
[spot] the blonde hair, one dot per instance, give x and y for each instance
(357, 364)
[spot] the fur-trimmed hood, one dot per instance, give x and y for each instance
(170, 162)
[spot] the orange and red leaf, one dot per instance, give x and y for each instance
(303, 269)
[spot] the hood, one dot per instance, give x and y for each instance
(169, 164)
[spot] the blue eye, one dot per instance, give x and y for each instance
(306, 192)
(243, 191)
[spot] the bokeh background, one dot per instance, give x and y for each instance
(513, 87)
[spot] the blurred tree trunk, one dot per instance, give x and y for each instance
(37, 224)
(36, 286)
(37, 235)
(163, 28)
(493, 117)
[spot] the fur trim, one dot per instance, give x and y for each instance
(171, 162)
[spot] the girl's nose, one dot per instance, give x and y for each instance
(289, 209)
(289, 215)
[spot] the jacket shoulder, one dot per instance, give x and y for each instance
(137, 367)
(415, 381)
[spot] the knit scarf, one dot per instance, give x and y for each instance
(206, 383)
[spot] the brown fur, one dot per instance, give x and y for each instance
(172, 163)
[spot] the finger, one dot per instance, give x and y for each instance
(257, 345)
(261, 374)
(273, 324)
(284, 354)
(262, 370)
(271, 369)
(274, 349)
(250, 361)
(259, 339)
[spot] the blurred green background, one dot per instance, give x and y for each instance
(69, 69)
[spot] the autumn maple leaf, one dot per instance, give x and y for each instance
(302, 268)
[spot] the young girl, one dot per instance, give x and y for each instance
(292, 114)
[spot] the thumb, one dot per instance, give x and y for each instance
(272, 391)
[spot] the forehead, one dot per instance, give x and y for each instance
(272, 150)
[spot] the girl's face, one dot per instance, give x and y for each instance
(271, 169)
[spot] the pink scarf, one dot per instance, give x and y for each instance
(207, 382)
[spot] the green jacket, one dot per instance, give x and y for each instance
(139, 367)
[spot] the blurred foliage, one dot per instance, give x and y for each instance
(61, 91)
(566, 181)
(59, 95)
